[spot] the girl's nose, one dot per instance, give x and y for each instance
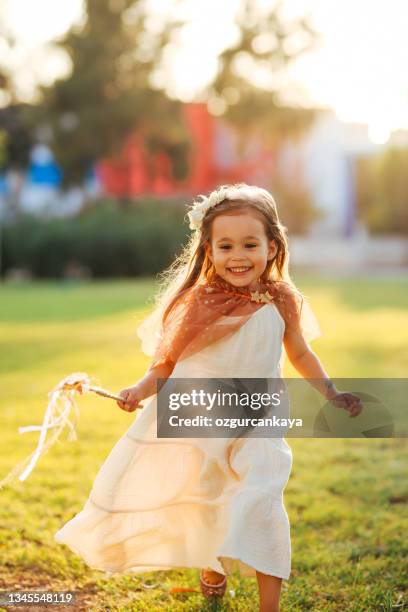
(238, 255)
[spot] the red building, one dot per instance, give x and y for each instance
(214, 160)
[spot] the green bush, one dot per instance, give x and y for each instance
(140, 240)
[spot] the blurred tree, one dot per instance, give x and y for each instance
(16, 138)
(296, 209)
(108, 92)
(250, 91)
(251, 84)
(7, 94)
(382, 191)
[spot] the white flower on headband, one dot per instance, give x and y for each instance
(199, 210)
(196, 215)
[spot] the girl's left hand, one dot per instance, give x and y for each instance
(348, 401)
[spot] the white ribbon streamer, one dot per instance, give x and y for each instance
(61, 412)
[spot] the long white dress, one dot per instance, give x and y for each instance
(204, 503)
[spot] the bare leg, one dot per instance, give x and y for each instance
(269, 592)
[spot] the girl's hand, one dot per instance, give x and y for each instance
(348, 401)
(131, 398)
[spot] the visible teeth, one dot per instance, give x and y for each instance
(239, 269)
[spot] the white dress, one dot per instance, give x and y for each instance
(204, 503)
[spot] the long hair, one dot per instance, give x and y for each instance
(193, 264)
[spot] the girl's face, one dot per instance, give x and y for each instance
(239, 248)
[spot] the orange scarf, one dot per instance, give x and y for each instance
(209, 311)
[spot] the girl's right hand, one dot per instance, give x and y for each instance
(131, 399)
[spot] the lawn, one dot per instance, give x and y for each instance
(346, 499)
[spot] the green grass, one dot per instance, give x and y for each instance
(346, 499)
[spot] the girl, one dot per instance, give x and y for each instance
(227, 308)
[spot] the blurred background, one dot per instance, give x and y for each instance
(114, 114)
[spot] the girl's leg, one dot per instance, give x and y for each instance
(269, 592)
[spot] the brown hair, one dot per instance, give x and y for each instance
(193, 264)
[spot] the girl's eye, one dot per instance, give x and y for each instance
(227, 246)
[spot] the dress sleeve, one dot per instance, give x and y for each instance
(309, 323)
(167, 341)
(148, 332)
(297, 312)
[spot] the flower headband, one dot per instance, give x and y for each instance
(199, 210)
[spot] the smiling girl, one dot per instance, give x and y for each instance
(227, 309)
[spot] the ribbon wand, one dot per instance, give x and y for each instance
(57, 415)
(104, 393)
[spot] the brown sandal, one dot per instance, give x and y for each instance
(213, 590)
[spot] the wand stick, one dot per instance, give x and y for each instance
(104, 393)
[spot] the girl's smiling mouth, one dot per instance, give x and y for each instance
(240, 270)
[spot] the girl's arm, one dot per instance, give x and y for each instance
(306, 361)
(308, 365)
(145, 387)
